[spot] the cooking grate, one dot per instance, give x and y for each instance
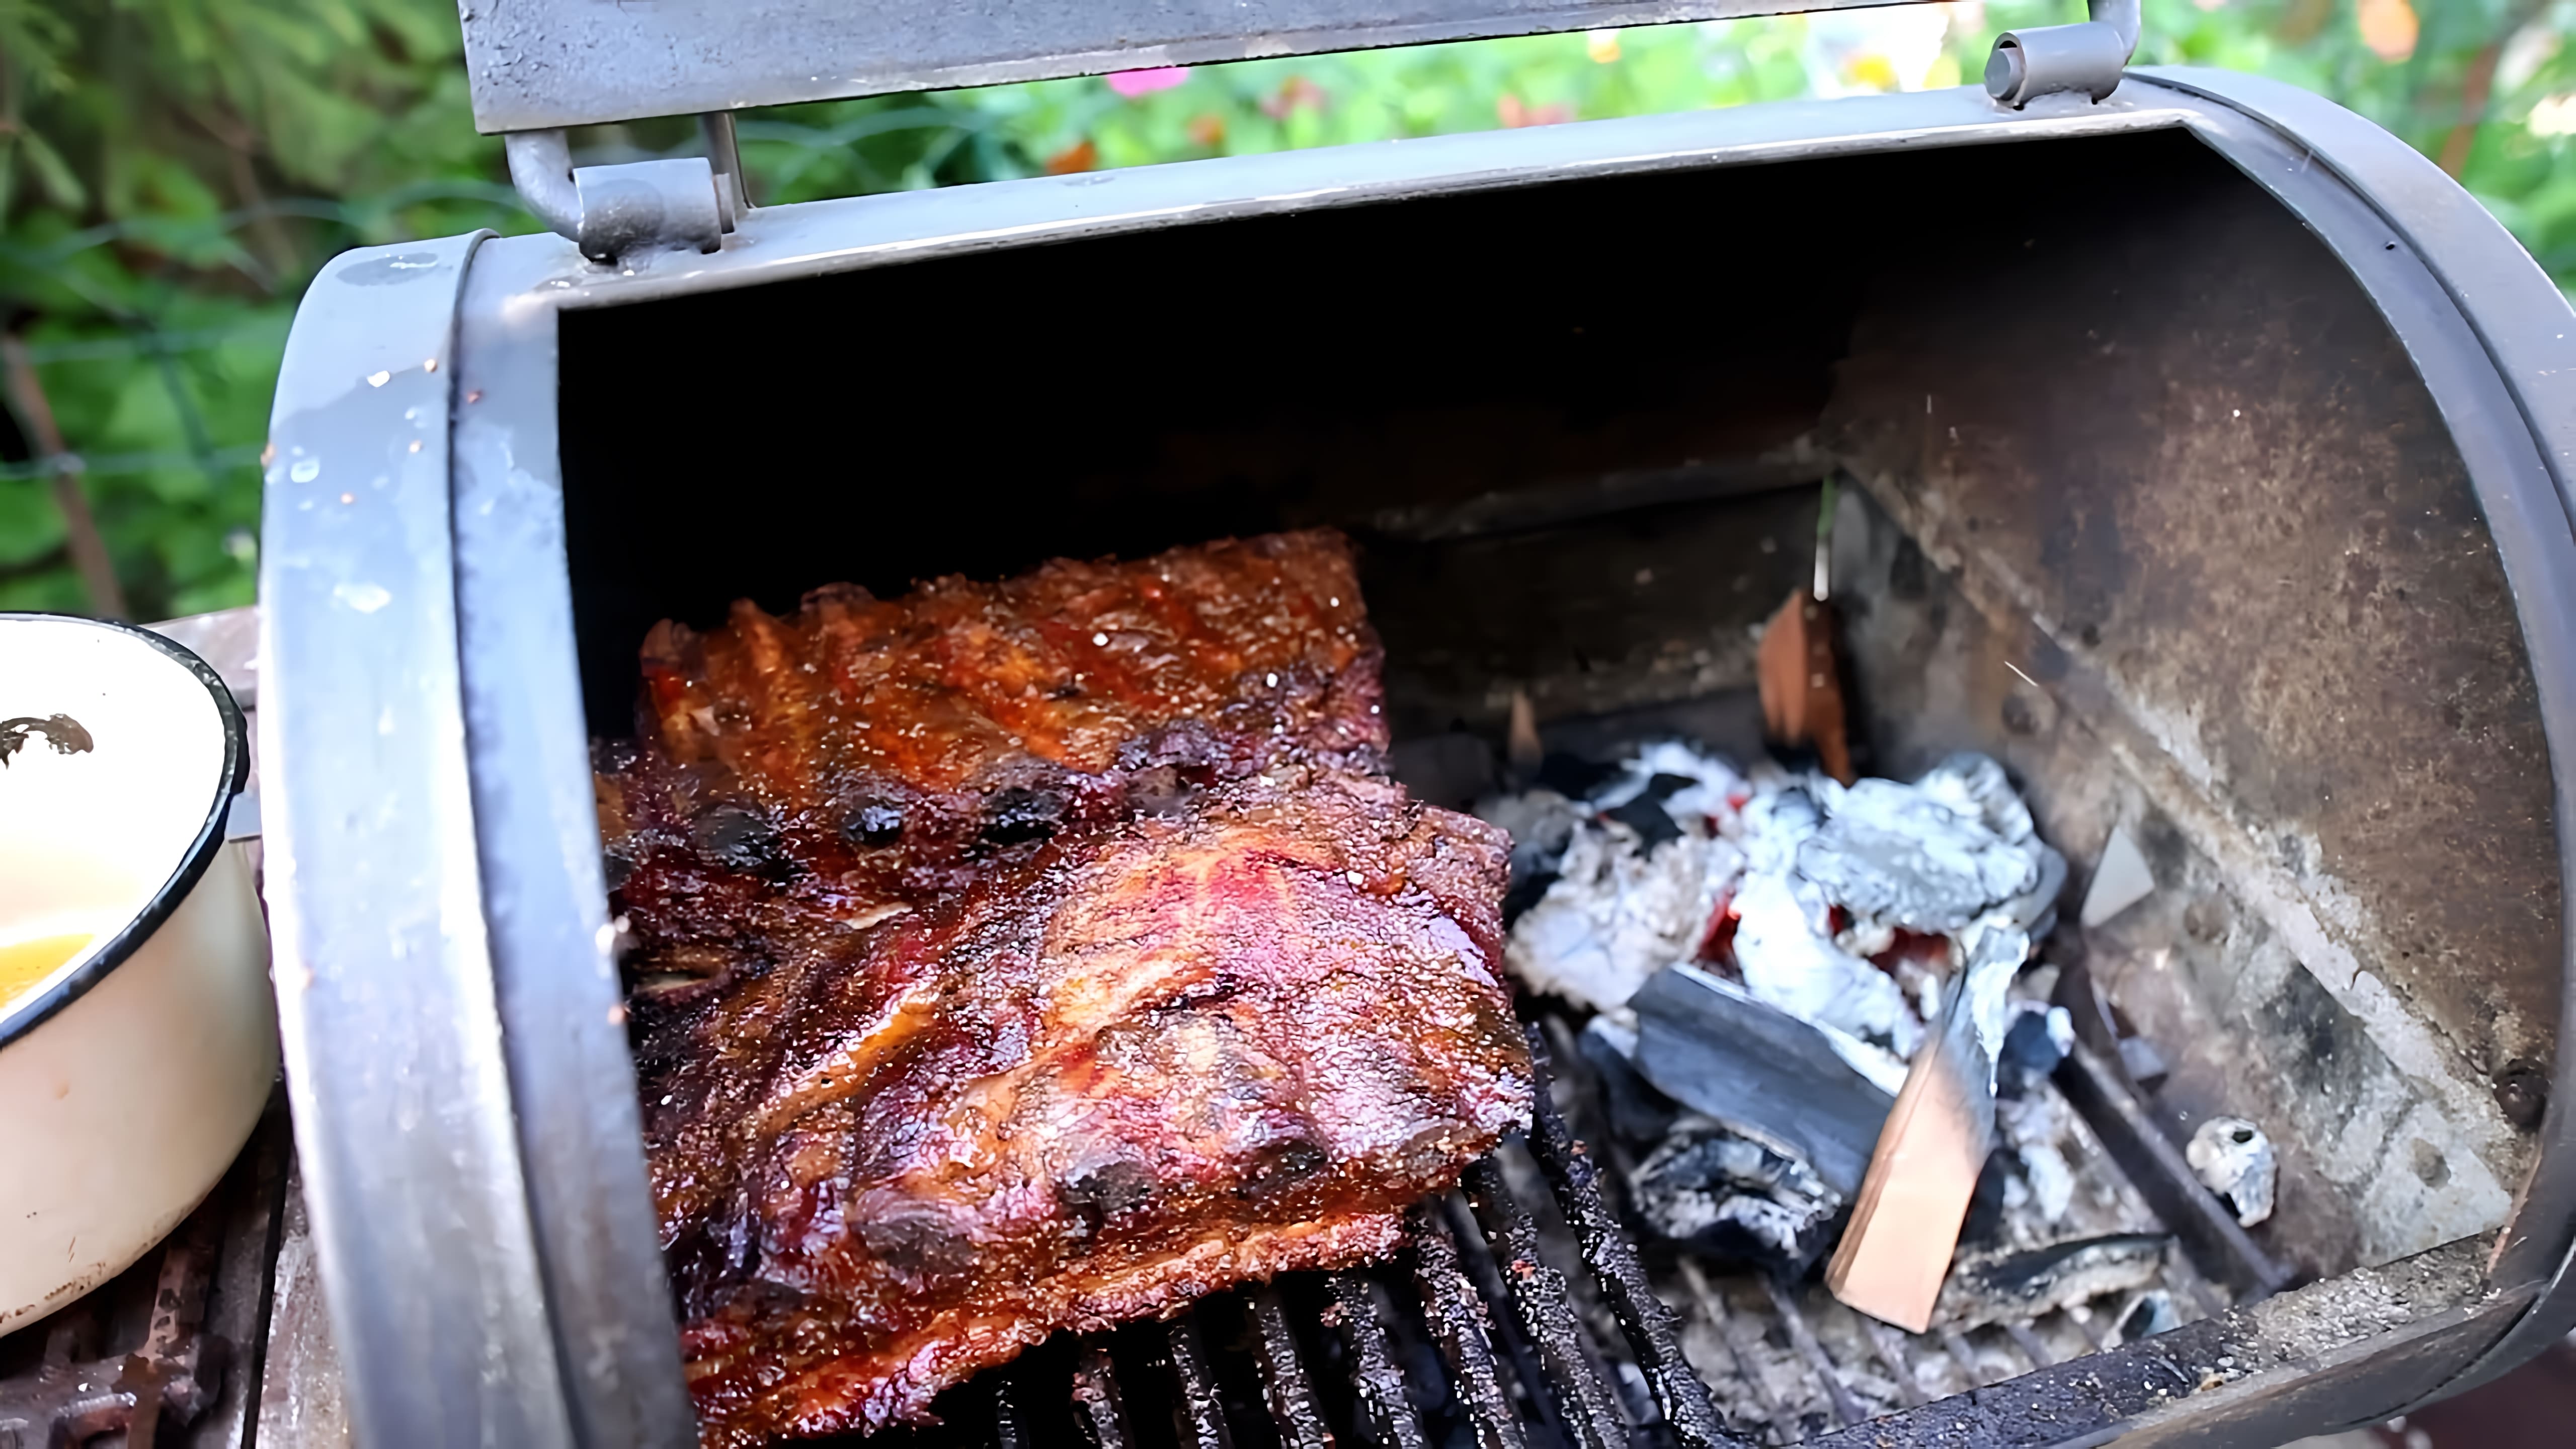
(1520, 1315)
(182, 1328)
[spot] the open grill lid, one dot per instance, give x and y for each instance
(535, 67)
(536, 64)
(542, 63)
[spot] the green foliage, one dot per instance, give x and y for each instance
(172, 171)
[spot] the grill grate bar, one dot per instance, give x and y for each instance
(1964, 1357)
(1458, 1323)
(1891, 1352)
(1606, 1250)
(1010, 1428)
(1283, 1375)
(1373, 1371)
(1095, 1393)
(2089, 1324)
(1539, 1300)
(2029, 1344)
(1485, 1273)
(1730, 1332)
(1847, 1408)
(1199, 1414)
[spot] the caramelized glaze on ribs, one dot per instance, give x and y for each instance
(1028, 956)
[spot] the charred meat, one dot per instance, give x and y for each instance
(1030, 956)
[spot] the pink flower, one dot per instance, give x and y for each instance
(1134, 83)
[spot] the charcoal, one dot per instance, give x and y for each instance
(1998, 1286)
(1985, 1224)
(1787, 959)
(1760, 1071)
(2039, 1038)
(1724, 1194)
(1640, 1116)
(1574, 776)
(1975, 785)
(1647, 816)
(2147, 1315)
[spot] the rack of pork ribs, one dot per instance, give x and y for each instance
(1017, 957)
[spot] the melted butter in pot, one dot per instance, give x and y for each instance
(25, 964)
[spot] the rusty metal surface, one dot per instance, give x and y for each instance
(2199, 493)
(181, 1330)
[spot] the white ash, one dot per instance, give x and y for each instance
(2037, 1127)
(1974, 785)
(1996, 947)
(2235, 1159)
(1618, 913)
(1770, 859)
(1788, 959)
(1714, 793)
(1541, 824)
(1753, 884)
(1897, 857)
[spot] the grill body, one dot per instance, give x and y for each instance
(496, 463)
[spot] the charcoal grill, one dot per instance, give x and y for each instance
(2208, 461)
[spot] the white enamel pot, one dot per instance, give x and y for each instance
(138, 1038)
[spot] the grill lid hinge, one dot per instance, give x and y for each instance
(621, 212)
(2087, 57)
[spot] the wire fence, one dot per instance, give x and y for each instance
(111, 465)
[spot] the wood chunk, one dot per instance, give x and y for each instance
(1800, 678)
(1903, 1229)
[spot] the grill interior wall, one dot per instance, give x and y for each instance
(2277, 647)
(2186, 479)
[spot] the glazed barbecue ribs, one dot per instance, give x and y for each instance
(1029, 956)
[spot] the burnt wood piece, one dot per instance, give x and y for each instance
(1036, 956)
(1760, 1071)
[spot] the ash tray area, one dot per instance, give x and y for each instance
(1822, 1048)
